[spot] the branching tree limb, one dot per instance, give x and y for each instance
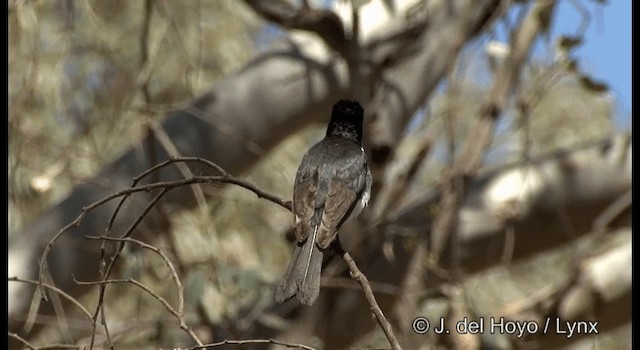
(164, 187)
(474, 222)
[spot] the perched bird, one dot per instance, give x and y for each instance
(332, 185)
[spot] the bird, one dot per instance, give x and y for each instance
(332, 185)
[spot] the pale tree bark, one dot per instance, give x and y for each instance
(509, 217)
(392, 64)
(240, 119)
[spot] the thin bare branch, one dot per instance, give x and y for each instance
(506, 78)
(165, 141)
(612, 212)
(251, 341)
(224, 178)
(22, 340)
(112, 263)
(357, 275)
(472, 157)
(46, 347)
(165, 187)
(174, 312)
(164, 257)
(73, 300)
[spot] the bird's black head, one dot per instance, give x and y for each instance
(346, 120)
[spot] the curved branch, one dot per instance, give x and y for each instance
(163, 301)
(360, 277)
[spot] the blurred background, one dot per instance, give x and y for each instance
(499, 134)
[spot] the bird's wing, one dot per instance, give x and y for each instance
(341, 199)
(347, 184)
(304, 199)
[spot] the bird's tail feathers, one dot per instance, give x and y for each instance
(302, 278)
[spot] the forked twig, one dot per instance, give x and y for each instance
(163, 301)
(165, 186)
